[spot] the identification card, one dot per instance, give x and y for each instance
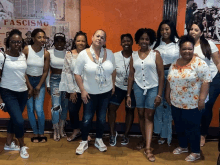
(125, 83)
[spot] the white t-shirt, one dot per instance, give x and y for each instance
(145, 74)
(210, 63)
(13, 76)
(86, 66)
(169, 52)
(122, 68)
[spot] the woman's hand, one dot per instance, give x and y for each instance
(168, 100)
(157, 101)
(85, 97)
(36, 91)
(73, 97)
(48, 90)
(201, 104)
(30, 92)
(128, 101)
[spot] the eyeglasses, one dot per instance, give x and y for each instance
(16, 42)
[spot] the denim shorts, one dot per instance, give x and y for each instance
(120, 95)
(145, 101)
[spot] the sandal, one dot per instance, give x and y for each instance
(71, 138)
(43, 139)
(35, 139)
(149, 155)
(141, 145)
(179, 150)
(192, 157)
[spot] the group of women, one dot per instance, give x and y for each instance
(167, 79)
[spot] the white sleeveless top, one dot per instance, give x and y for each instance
(13, 76)
(35, 62)
(57, 58)
(145, 74)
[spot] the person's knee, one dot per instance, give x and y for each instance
(56, 108)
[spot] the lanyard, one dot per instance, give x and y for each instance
(126, 69)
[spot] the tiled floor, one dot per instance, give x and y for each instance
(63, 152)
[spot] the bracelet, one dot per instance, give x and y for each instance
(128, 95)
(159, 97)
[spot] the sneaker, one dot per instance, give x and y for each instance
(12, 147)
(23, 152)
(82, 147)
(161, 141)
(100, 145)
(124, 140)
(113, 139)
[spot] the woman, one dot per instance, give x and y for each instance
(37, 68)
(97, 65)
(167, 45)
(68, 83)
(147, 78)
(59, 101)
(14, 91)
(186, 91)
(207, 51)
(120, 76)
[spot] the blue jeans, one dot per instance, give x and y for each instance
(74, 111)
(214, 91)
(15, 103)
(97, 103)
(187, 126)
(36, 104)
(163, 117)
(59, 100)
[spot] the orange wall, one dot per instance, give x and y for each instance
(117, 17)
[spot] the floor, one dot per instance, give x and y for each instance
(63, 152)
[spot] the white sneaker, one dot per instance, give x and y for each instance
(12, 147)
(23, 152)
(100, 145)
(82, 147)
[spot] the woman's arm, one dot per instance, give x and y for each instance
(216, 60)
(45, 72)
(160, 72)
(203, 94)
(113, 81)
(167, 93)
(84, 94)
(130, 82)
(30, 88)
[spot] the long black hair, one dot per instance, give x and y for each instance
(13, 32)
(206, 48)
(173, 34)
(34, 33)
(79, 33)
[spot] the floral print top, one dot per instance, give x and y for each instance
(186, 81)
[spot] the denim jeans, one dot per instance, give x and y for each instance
(36, 104)
(214, 91)
(163, 117)
(187, 126)
(74, 109)
(59, 100)
(97, 103)
(15, 103)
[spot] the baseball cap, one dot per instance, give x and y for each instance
(59, 36)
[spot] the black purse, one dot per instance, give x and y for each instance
(2, 105)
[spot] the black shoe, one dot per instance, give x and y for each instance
(124, 140)
(113, 139)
